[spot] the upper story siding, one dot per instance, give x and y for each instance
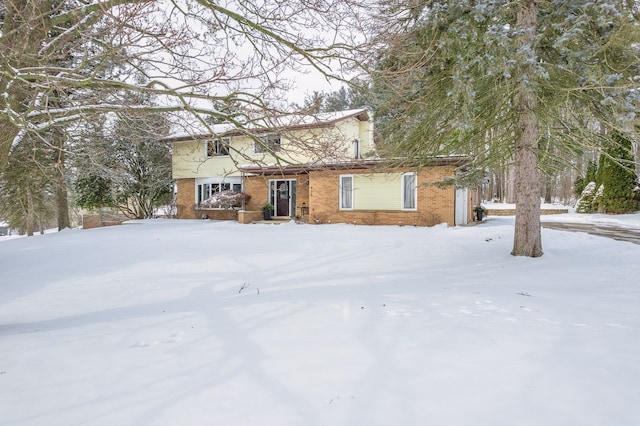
(333, 140)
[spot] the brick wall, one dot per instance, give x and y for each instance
(258, 188)
(185, 200)
(246, 217)
(99, 220)
(434, 205)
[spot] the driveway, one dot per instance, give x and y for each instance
(611, 231)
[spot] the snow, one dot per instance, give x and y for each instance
(261, 123)
(178, 322)
(618, 220)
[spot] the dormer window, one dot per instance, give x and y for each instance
(356, 149)
(268, 143)
(218, 147)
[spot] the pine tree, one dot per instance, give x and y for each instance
(618, 176)
(491, 79)
(585, 202)
(590, 176)
(592, 171)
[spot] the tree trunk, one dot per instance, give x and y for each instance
(30, 219)
(62, 198)
(527, 236)
(62, 202)
(510, 184)
(549, 186)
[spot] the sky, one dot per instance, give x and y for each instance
(191, 322)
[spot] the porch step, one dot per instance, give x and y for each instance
(272, 221)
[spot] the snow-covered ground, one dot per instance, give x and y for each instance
(213, 323)
(620, 220)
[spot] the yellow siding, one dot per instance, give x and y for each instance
(190, 161)
(380, 191)
(297, 147)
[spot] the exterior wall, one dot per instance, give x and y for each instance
(258, 188)
(185, 204)
(246, 217)
(217, 214)
(331, 141)
(185, 200)
(379, 191)
(299, 146)
(319, 192)
(98, 220)
(189, 160)
(434, 205)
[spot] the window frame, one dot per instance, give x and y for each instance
(269, 143)
(218, 147)
(413, 193)
(341, 196)
(212, 186)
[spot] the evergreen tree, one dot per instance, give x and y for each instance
(592, 171)
(491, 79)
(618, 176)
(126, 166)
(590, 176)
(585, 202)
(356, 95)
(27, 190)
(338, 100)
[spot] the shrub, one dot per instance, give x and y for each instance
(618, 176)
(225, 200)
(585, 202)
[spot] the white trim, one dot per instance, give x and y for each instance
(340, 199)
(461, 206)
(415, 192)
(224, 141)
(231, 180)
(272, 200)
(271, 142)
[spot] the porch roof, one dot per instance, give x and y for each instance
(293, 169)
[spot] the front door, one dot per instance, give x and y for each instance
(283, 197)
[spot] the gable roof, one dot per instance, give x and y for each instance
(282, 123)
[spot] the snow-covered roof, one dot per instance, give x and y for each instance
(283, 122)
(195, 130)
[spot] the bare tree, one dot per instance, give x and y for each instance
(67, 61)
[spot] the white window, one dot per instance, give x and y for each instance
(205, 190)
(346, 192)
(269, 143)
(409, 191)
(218, 147)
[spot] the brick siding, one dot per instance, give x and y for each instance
(435, 205)
(319, 191)
(186, 205)
(258, 188)
(185, 199)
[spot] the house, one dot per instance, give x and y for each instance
(318, 169)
